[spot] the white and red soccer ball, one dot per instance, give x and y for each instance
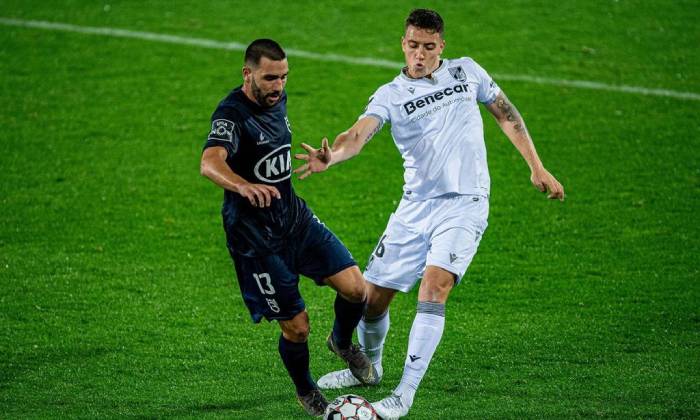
(350, 407)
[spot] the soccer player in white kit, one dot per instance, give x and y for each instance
(432, 106)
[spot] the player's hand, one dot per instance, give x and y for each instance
(318, 160)
(259, 195)
(545, 182)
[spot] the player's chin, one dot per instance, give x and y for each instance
(419, 70)
(272, 98)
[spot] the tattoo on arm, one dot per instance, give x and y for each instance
(375, 131)
(510, 113)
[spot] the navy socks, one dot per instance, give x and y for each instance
(296, 359)
(347, 316)
(295, 356)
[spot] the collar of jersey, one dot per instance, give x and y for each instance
(434, 80)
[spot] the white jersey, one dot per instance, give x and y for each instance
(437, 127)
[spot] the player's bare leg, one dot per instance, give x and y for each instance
(349, 306)
(371, 332)
(294, 350)
(296, 329)
(350, 284)
(424, 338)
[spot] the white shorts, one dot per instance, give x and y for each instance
(443, 231)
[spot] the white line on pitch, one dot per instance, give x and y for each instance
(337, 58)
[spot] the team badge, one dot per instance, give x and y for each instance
(222, 130)
(458, 73)
(272, 303)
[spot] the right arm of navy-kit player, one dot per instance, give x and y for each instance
(213, 166)
(347, 144)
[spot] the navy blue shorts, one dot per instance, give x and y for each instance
(270, 284)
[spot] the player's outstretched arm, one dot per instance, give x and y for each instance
(213, 166)
(347, 144)
(513, 126)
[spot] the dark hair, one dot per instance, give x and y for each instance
(426, 19)
(263, 48)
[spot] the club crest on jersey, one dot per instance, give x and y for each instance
(458, 73)
(221, 130)
(272, 303)
(276, 166)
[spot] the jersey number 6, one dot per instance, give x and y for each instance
(379, 251)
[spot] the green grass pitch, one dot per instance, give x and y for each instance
(117, 296)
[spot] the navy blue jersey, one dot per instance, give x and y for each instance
(258, 141)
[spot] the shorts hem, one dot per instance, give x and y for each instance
(320, 280)
(388, 284)
(259, 317)
(451, 269)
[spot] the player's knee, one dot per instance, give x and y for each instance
(442, 288)
(297, 333)
(355, 292)
(350, 284)
(436, 293)
(296, 329)
(302, 334)
(436, 289)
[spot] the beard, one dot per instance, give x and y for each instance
(262, 98)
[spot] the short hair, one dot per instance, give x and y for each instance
(263, 48)
(426, 19)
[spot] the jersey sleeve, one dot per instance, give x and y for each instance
(224, 132)
(488, 89)
(378, 106)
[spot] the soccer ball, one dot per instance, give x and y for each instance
(350, 407)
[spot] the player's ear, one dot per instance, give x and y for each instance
(246, 73)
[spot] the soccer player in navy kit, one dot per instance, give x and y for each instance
(271, 234)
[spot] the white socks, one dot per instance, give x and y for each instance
(425, 336)
(371, 333)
